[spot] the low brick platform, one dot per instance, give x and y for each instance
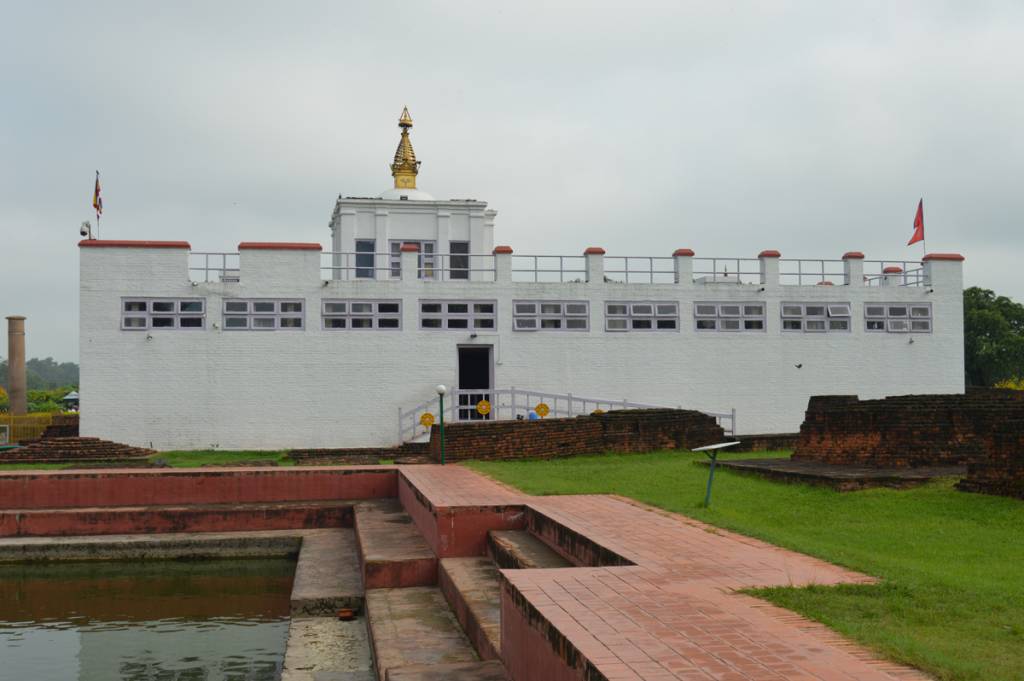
(51, 449)
(632, 430)
(842, 477)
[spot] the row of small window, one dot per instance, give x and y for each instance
(458, 263)
(528, 315)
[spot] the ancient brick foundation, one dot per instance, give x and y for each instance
(767, 442)
(634, 430)
(1002, 470)
(982, 429)
(73, 449)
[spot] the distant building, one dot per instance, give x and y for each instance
(285, 345)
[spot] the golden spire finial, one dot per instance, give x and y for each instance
(405, 167)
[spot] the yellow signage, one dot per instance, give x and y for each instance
(542, 409)
(427, 420)
(483, 407)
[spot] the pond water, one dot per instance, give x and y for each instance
(212, 620)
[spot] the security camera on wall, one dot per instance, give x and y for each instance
(86, 230)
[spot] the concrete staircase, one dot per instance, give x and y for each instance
(432, 618)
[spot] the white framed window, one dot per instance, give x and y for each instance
(427, 262)
(264, 314)
(458, 315)
(365, 257)
(551, 315)
(815, 317)
(898, 317)
(338, 314)
(139, 314)
(729, 317)
(641, 315)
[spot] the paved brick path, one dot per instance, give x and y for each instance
(675, 614)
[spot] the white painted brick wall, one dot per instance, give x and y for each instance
(314, 388)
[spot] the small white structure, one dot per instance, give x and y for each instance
(285, 345)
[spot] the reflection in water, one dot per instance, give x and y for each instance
(156, 621)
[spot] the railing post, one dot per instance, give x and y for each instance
(682, 261)
(410, 258)
(734, 421)
(595, 264)
(853, 268)
(769, 267)
(892, 275)
(945, 271)
(503, 264)
(569, 410)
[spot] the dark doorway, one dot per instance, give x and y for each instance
(475, 369)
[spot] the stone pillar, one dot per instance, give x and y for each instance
(892, 276)
(595, 264)
(853, 268)
(769, 267)
(503, 264)
(683, 264)
(16, 377)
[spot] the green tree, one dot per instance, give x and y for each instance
(993, 337)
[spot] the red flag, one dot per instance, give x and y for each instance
(918, 224)
(97, 200)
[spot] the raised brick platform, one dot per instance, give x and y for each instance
(842, 477)
(52, 449)
(632, 430)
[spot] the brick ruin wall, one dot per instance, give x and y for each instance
(982, 429)
(633, 430)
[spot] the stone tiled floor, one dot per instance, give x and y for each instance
(675, 614)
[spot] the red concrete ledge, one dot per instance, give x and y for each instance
(279, 246)
(769, 254)
(853, 255)
(117, 243)
(502, 250)
(410, 248)
(683, 252)
(892, 270)
(594, 250)
(944, 256)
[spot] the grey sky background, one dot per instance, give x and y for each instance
(809, 127)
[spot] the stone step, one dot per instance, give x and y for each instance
(327, 573)
(413, 627)
(56, 522)
(521, 550)
(472, 587)
(465, 671)
(394, 553)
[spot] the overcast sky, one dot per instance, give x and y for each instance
(808, 127)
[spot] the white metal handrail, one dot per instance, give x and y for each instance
(804, 272)
(213, 267)
(911, 273)
(717, 270)
(342, 265)
(444, 270)
(511, 403)
(549, 268)
(640, 269)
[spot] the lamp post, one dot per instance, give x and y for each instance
(441, 390)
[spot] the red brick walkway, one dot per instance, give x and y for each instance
(675, 614)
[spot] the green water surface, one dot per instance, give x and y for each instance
(208, 620)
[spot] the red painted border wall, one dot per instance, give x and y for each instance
(527, 652)
(84, 489)
(453, 534)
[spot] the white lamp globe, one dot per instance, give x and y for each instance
(441, 390)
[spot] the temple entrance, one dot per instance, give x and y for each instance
(476, 374)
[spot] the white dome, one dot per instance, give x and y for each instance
(407, 194)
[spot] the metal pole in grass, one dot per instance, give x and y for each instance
(441, 390)
(711, 451)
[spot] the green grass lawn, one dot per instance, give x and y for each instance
(951, 600)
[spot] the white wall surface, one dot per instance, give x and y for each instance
(187, 389)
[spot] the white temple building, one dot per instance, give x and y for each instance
(280, 345)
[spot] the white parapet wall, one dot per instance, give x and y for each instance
(209, 385)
